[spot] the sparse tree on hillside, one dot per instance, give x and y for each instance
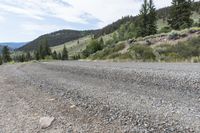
(41, 52)
(37, 55)
(64, 53)
(59, 56)
(199, 22)
(22, 58)
(1, 62)
(28, 56)
(180, 14)
(152, 18)
(101, 42)
(115, 37)
(55, 55)
(143, 20)
(6, 54)
(147, 19)
(47, 50)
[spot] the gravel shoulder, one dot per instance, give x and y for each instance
(100, 97)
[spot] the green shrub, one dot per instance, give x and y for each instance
(143, 52)
(165, 29)
(93, 47)
(173, 35)
(125, 56)
(108, 52)
(179, 52)
(195, 59)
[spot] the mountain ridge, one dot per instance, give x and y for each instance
(60, 39)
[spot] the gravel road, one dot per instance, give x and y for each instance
(100, 97)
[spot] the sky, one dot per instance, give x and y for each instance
(25, 20)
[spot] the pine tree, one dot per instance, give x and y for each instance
(199, 22)
(59, 56)
(64, 53)
(6, 54)
(22, 58)
(28, 56)
(143, 20)
(101, 42)
(1, 62)
(54, 55)
(147, 20)
(41, 52)
(37, 55)
(47, 50)
(180, 14)
(152, 18)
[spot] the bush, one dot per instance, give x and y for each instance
(92, 48)
(125, 56)
(143, 52)
(165, 29)
(173, 36)
(182, 51)
(195, 59)
(109, 52)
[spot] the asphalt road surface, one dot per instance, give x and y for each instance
(100, 97)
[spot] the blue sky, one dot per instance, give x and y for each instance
(24, 20)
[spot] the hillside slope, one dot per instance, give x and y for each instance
(175, 46)
(162, 14)
(56, 38)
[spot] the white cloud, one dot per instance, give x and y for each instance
(39, 9)
(106, 11)
(36, 17)
(2, 19)
(33, 27)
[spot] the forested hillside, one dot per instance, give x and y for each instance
(162, 14)
(56, 38)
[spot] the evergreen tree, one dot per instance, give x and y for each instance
(180, 14)
(6, 54)
(28, 56)
(147, 20)
(199, 22)
(46, 48)
(41, 52)
(64, 53)
(22, 58)
(115, 37)
(152, 18)
(1, 62)
(37, 55)
(143, 20)
(59, 56)
(55, 55)
(101, 42)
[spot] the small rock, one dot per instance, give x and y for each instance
(72, 106)
(45, 122)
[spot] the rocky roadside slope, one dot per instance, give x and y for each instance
(101, 97)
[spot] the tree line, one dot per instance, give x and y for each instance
(42, 52)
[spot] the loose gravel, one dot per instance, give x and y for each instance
(100, 97)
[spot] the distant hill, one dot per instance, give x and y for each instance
(13, 45)
(56, 38)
